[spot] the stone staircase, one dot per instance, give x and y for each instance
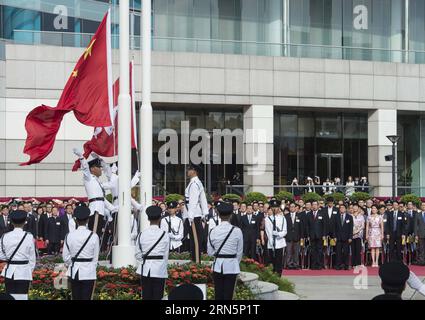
(265, 290)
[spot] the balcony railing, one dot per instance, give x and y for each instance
(69, 39)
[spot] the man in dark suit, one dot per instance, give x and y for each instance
(330, 212)
(419, 230)
(5, 226)
(65, 220)
(42, 223)
(32, 220)
(316, 231)
(295, 232)
(54, 232)
(343, 235)
(238, 212)
(250, 231)
(395, 231)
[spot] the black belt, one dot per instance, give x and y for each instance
(18, 262)
(82, 260)
(153, 258)
(226, 256)
(115, 198)
(96, 199)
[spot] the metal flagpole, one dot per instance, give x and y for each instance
(146, 115)
(123, 253)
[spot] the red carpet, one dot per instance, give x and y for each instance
(418, 270)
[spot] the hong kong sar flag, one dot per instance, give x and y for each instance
(88, 93)
(105, 139)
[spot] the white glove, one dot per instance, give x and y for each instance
(95, 155)
(414, 282)
(275, 233)
(77, 152)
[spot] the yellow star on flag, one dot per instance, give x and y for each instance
(88, 50)
(75, 73)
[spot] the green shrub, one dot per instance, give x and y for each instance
(338, 196)
(311, 196)
(357, 196)
(284, 195)
(173, 197)
(255, 196)
(411, 197)
(231, 197)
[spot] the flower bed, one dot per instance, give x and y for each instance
(124, 283)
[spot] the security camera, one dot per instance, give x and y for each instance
(389, 158)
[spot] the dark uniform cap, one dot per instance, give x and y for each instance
(194, 167)
(153, 212)
(18, 216)
(81, 213)
(394, 273)
(387, 202)
(274, 203)
(217, 203)
(186, 291)
(225, 209)
(172, 204)
(94, 163)
(81, 204)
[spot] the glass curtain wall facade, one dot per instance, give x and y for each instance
(308, 144)
(337, 29)
(172, 177)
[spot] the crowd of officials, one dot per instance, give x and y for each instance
(291, 235)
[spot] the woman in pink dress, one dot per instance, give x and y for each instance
(374, 234)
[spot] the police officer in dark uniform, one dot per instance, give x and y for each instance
(394, 276)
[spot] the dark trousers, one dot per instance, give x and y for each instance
(224, 285)
(196, 242)
(420, 259)
(276, 259)
(100, 224)
(53, 247)
(356, 249)
(316, 246)
(342, 253)
(16, 286)
(395, 248)
(152, 288)
(249, 246)
(81, 289)
(292, 254)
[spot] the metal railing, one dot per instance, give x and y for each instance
(173, 44)
(299, 189)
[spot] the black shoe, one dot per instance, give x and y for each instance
(347, 268)
(338, 268)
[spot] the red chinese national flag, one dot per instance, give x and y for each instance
(105, 139)
(88, 93)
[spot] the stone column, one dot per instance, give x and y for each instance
(258, 145)
(381, 123)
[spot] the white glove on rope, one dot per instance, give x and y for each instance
(415, 283)
(77, 152)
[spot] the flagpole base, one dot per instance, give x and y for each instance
(123, 256)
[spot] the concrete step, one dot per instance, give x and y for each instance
(283, 295)
(249, 279)
(265, 290)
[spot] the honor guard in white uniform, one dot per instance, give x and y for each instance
(275, 226)
(152, 248)
(214, 218)
(18, 250)
(92, 170)
(173, 225)
(80, 254)
(196, 209)
(225, 244)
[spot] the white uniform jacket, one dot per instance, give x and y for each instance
(174, 227)
(279, 234)
(73, 243)
(94, 189)
(155, 268)
(233, 246)
(26, 252)
(195, 199)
